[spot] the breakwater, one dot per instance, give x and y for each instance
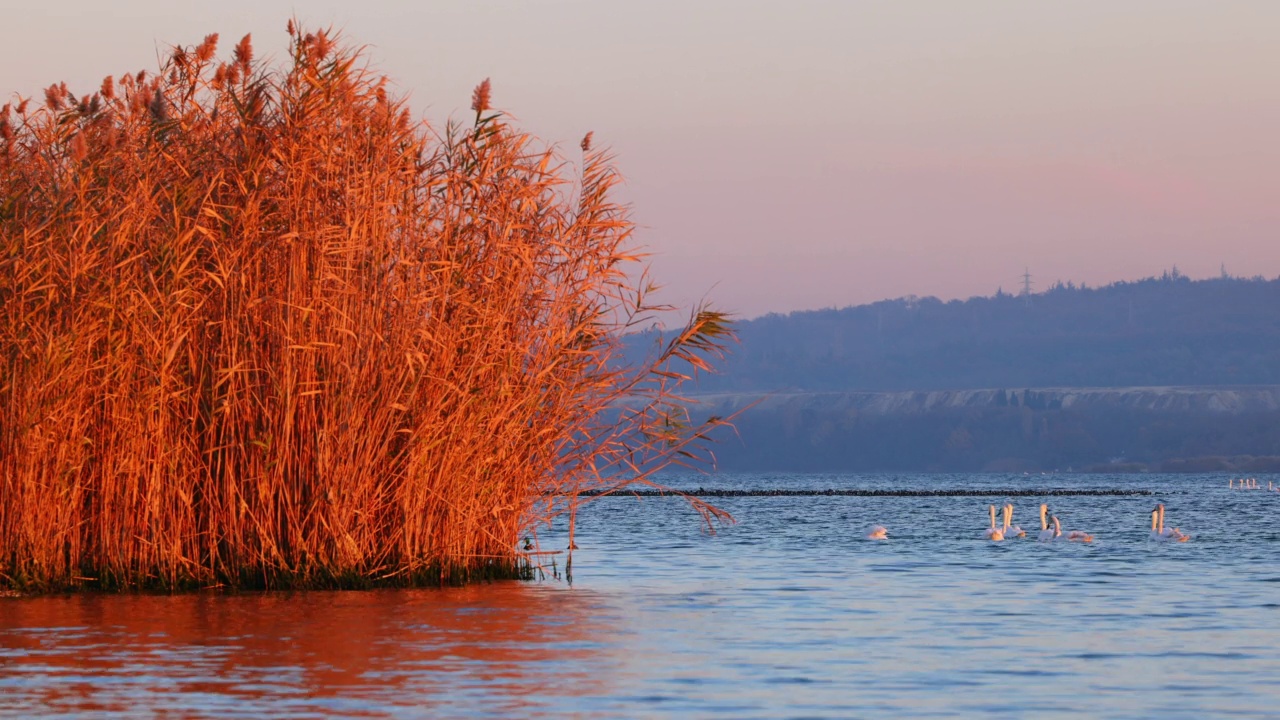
(780, 492)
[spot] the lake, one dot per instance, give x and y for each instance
(790, 612)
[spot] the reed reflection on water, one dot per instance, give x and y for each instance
(504, 648)
(790, 612)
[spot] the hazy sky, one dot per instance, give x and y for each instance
(814, 153)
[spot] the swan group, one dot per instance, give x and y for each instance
(1051, 528)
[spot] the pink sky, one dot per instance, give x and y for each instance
(818, 153)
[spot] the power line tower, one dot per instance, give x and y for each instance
(1026, 286)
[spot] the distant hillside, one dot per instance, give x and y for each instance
(1155, 332)
(1107, 429)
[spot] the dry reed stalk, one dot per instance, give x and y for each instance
(259, 329)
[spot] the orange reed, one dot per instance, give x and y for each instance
(259, 328)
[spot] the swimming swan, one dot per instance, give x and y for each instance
(1076, 536)
(1079, 536)
(994, 533)
(1046, 533)
(1170, 534)
(1055, 535)
(878, 533)
(1011, 530)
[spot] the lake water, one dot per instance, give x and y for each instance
(788, 613)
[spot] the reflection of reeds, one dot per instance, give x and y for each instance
(522, 647)
(259, 329)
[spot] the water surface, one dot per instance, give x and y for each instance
(788, 613)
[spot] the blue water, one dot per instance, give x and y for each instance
(787, 613)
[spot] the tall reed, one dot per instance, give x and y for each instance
(259, 328)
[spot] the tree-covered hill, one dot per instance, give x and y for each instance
(1159, 331)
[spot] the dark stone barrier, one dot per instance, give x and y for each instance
(778, 492)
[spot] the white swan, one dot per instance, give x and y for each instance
(994, 533)
(1055, 533)
(1170, 534)
(1155, 530)
(1011, 530)
(1046, 532)
(1078, 536)
(878, 533)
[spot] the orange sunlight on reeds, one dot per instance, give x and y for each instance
(260, 329)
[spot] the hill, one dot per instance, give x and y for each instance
(1163, 373)
(1164, 331)
(1100, 429)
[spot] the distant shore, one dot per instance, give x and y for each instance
(1180, 429)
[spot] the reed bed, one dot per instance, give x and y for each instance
(261, 329)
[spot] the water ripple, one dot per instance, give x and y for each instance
(790, 612)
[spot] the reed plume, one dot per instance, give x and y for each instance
(259, 330)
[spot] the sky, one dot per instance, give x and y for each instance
(805, 154)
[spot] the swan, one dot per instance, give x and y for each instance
(994, 533)
(1078, 536)
(1170, 534)
(1155, 530)
(878, 533)
(1011, 530)
(1046, 533)
(1055, 534)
